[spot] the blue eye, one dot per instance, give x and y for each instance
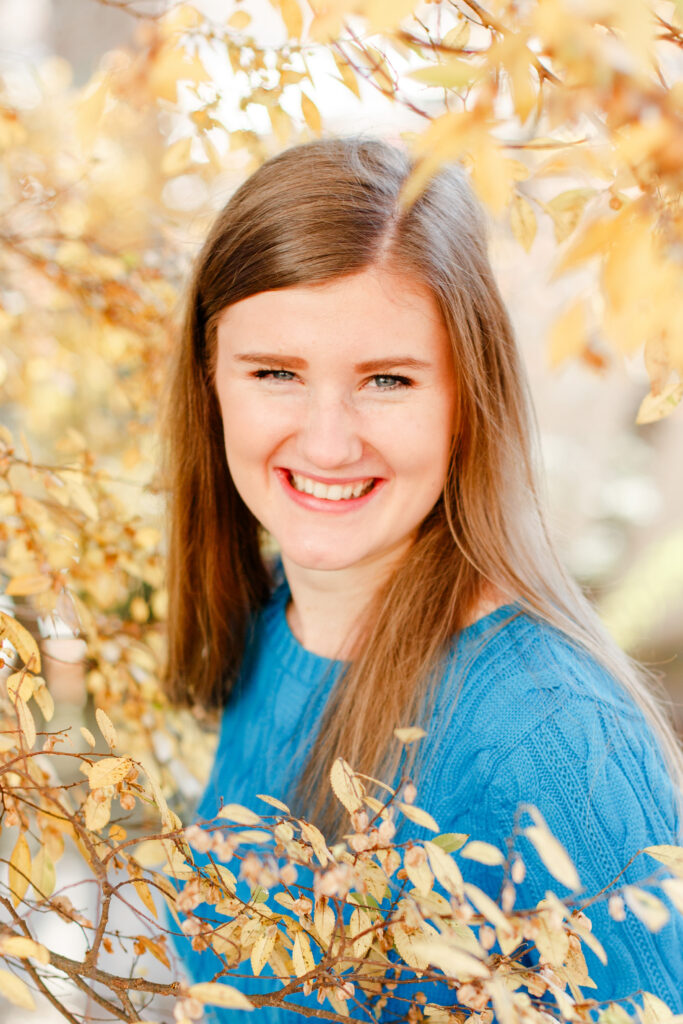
(274, 375)
(390, 382)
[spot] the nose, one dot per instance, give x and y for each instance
(329, 436)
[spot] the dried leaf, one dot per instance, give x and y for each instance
(106, 727)
(293, 18)
(646, 906)
(346, 786)
(410, 947)
(446, 871)
(26, 723)
(216, 994)
(410, 734)
(143, 891)
(523, 221)
(361, 922)
(568, 334)
(24, 586)
(43, 874)
(553, 854)
(44, 700)
(20, 684)
(483, 853)
(97, 812)
(454, 962)
(240, 815)
(302, 958)
(420, 817)
(19, 874)
(16, 990)
(486, 906)
(311, 114)
(22, 641)
(109, 771)
(654, 1010)
(262, 949)
(348, 75)
(656, 407)
(672, 856)
(22, 946)
(274, 802)
(324, 920)
(315, 837)
(88, 736)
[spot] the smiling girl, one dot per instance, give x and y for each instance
(348, 383)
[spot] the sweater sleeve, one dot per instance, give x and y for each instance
(593, 770)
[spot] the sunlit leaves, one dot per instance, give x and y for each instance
(217, 994)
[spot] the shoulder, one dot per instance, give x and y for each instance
(528, 717)
(512, 671)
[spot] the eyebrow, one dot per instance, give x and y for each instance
(369, 366)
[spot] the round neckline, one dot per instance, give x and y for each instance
(308, 666)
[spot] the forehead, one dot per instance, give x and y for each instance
(370, 308)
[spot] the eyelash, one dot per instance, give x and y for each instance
(397, 380)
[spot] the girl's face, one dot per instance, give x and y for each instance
(338, 402)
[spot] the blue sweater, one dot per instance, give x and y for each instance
(521, 717)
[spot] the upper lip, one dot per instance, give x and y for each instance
(329, 480)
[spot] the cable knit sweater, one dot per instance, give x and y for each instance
(521, 718)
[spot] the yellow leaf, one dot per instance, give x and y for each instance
(446, 871)
(553, 854)
(347, 74)
(646, 906)
(143, 891)
(239, 20)
(43, 699)
(324, 920)
(384, 15)
(348, 789)
(109, 771)
(454, 962)
(20, 684)
(410, 948)
(315, 837)
(21, 946)
(216, 994)
(97, 812)
(568, 334)
(458, 37)
(566, 209)
(410, 734)
(420, 817)
(302, 958)
(88, 736)
(16, 990)
(19, 874)
(26, 723)
(453, 74)
(274, 802)
(523, 221)
(483, 853)
(360, 925)
(106, 727)
(654, 1011)
(262, 949)
(486, 906)
(26, 585)
(239, 814)
(177, 157)
(420, 875)
(292, 17)
(311, 114)
(22, 641)
(43, 874)
(493, 174)
(656, 407)
(673, 887)
(552, 943)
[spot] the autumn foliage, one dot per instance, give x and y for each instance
(563, 113)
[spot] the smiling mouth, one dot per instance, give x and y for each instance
(330, 492)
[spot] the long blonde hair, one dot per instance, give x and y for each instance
(313, 213)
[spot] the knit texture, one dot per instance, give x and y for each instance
(520, 718)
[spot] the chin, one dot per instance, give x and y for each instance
(323, 561)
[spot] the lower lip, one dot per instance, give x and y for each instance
(324, 504)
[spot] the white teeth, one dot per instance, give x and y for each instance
(331, 492)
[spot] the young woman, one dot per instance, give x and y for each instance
(348, 383)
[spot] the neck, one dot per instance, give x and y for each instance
(327, 605)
